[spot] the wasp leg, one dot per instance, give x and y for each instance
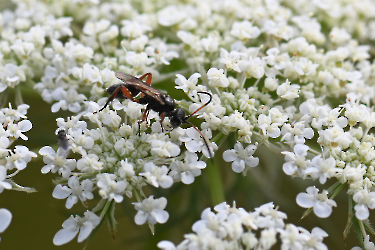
(144, 118)
(162, 116)
(149, 78)
(126, 93)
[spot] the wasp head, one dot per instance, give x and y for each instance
(177, 117)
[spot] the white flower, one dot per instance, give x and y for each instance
(35, 35)
(301, 47)
(296, 133)
(210, 44)
(159, 51)
(93, 28)
(240, 156)
(138, 60)
(92, 73)
(124, 147)
(57, 161)
(244, 30)
(75, 191)
(230, 60)
(157, 175)
(3, 176)
(22, 49)
(366, 242)
(189, 39)
(133, 110)
(188, 170)
(5, 219)
(278, 29)
(16, 130)
(126, 171)
(56, 28)
(151, 210)
(335, 136)
(8, 114)
(164, 148)
(194, 141)
(4, 144)
(217, 78)
(271, 83)
(72, 122)
(68, 100)
(352, 174)
(267, 238)
(73, 225)
(133, 29)
(19, 159)
(331, 117)
(295, 163)
(253, 67)
(166, 245)
(364, 200)
(276, 59)
(339, 36)
(272, 218)
(291, 237)
(211, 221)
(187, 85)
(322, 168)
(322, 206)
(81, 139)
(306, 67)
(287, 91)
(109, 188)
(267, 126)
(170, 15)
(315, 238)
(139, 43)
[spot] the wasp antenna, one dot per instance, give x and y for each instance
(204, 105)
(102, 108)
(204, 139)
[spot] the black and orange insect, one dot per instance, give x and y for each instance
(154, 99)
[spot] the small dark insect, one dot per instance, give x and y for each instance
(62, 139)
(154, 99)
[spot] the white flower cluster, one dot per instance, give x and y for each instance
(276, 75)
(235, 228)
(348, 154)
(103, 167)
(13, 125)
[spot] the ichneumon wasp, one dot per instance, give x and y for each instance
(154, 99)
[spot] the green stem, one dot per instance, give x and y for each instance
(104, 211)
(362, 228)
(337, 187)
(215, 183)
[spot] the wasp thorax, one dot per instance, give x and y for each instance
(169, 101)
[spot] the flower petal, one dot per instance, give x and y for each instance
(5, 219)
(64, 236)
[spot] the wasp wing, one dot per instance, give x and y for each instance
(141, 86)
